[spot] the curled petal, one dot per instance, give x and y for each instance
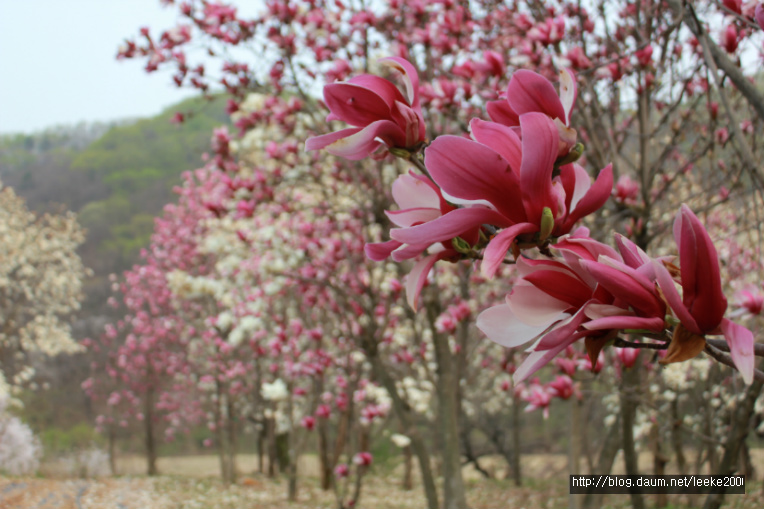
(410, 77)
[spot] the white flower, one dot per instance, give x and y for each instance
(400, 440)
(276, 391)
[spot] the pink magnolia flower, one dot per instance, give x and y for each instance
(341, 470)
(759, 15)
(507, 182)
(363, 459)
(627, 356)
(382, 116)
(531, 92)
(564, 388)
(750, 300)
(420, 201)
(701, 307)
(538, 397)
(594, 292)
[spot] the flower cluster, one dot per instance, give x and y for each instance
(515, 187)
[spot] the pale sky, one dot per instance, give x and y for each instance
(57, 62)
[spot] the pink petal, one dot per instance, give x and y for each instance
(408, 251)
(379, 251)
(410, 217)
(362, 143)
(626, 288)
(632, 254)
(356, 105)
(500, 138)
(454, 224)
(666, 284)
(537, 360)
(418, 276)
(561, 286)
(319, 142)
(568, 92)
(502, 327)
(497, 248)
(740, 341)
(701, 281)
(380, 86)
(626, 322)
(537, 308)
(562, 333)
(531, 92)
(410, 77)
(414, 191)
(469, 170)
(540, 144)
(501, 112)
(594, 198)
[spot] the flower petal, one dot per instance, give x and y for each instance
(740, 341)
(354, 104)
(418, 276)
(454, 224)
(500, 138)
(362, 143)
(666, 284)
(540, 146)
(497, 248)
(701, 281)
(529, 91)
(503, 327)
(379, 251)
(470, 170)
(501, 112)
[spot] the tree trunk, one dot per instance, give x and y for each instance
(407, 483)
(629, 391)
(741, 418)
(231, 428)
(604, 463)
(112, 450)
(148, 425)
(574, 448)
(659, 462)
(404, 414)
(448, 427)
(323, 455)
(517, 474)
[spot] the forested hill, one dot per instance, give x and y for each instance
(116, 177)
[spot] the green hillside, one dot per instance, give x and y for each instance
(117, 177)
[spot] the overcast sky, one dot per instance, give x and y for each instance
(57, 62)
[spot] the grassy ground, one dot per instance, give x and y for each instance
(191, 483)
